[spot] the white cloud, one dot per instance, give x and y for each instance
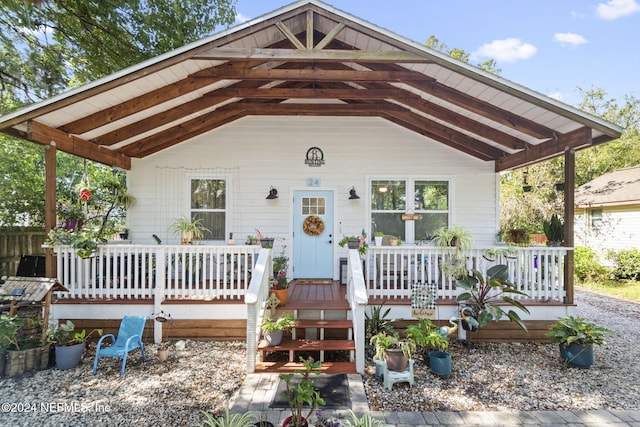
(241, 18)
(555, 95)
(569, 38)
(508, 50)
(614, 9)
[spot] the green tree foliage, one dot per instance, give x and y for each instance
(490, 65)
(51, 46)
(527, 210)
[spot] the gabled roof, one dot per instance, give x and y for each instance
(307, 58)
(621, 187)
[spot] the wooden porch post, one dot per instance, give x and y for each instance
(50, 154)
(569, 197)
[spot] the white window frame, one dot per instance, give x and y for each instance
(409, 226)
(227, 202)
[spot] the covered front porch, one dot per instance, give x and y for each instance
(231, 284)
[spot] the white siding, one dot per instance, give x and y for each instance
(620, 229)
(258, 152)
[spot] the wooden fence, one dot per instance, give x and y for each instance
(18, 241)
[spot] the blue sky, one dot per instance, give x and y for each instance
(550, 46)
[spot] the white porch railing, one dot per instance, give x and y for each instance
(255, 300)
(140, 271)
(357, 297)
(537, 271)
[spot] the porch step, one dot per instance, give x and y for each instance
(291, 367)
(323, 323)
(309, 345)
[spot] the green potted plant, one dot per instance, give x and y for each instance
(302, 393)
(377, 237)
(433, 344)
(280, 286)
(553, 230)
(576, 338)
(455, 241)
(396, 352)
(69, 344)
(355, 242)
(485, 295)
(273, 329)
(189, 229)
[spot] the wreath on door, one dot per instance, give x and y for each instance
(313, 225)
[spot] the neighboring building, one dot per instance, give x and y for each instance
(608, 211)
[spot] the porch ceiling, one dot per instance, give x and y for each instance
(307, 58)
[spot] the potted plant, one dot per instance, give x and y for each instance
(252, 240)
(10, 363)
(377, 237)
(432, 342)
(395, 351)
(576, 338)
(280, 286)
(69, 344)
(230, 241)
(553, 230)
(455, 241)
(189, 229)
(355, 242)
(484, 295)
(273, 329)
(301, 393)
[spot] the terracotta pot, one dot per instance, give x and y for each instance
(162, 355)
(282, 294)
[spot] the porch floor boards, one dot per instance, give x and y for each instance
(317, 297)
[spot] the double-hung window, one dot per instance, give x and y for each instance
(427, 199)
(209, 204)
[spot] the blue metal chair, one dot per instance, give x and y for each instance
(129, 338)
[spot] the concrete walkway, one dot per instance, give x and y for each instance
(257, 392)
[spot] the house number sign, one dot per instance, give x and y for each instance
(313, 182)
(315, 157)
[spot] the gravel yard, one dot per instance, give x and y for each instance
(485, 377)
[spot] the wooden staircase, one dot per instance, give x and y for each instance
(323, 331)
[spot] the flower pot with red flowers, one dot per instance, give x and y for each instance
(280, 286)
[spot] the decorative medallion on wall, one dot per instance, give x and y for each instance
(313, 225)
(315, 157)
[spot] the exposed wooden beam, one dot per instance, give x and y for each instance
(473, 104)
(313, 75)
(180, 133)
(309, 29)
(425, 132)
(147, 100)
(319, 93)
(312, 55)
(576, 139)
(50, 173)
(289, 35)
(328, 38)
(452, 136)
(299, 109)
(43, 134)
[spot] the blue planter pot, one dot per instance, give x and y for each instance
(440, 363)
(68, 357)
(577, 355)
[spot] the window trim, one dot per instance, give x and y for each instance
(228, 208)
(410, 205)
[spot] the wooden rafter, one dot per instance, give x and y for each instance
(317, 55)
(43, 134)
(580, 137)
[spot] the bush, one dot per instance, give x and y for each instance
(627, 263)
(586, 265)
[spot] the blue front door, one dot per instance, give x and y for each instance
(313, 234)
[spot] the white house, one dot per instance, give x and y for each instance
(353, 127)
(608, 211)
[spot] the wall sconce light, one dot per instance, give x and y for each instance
(273, 194)
(352, 194)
